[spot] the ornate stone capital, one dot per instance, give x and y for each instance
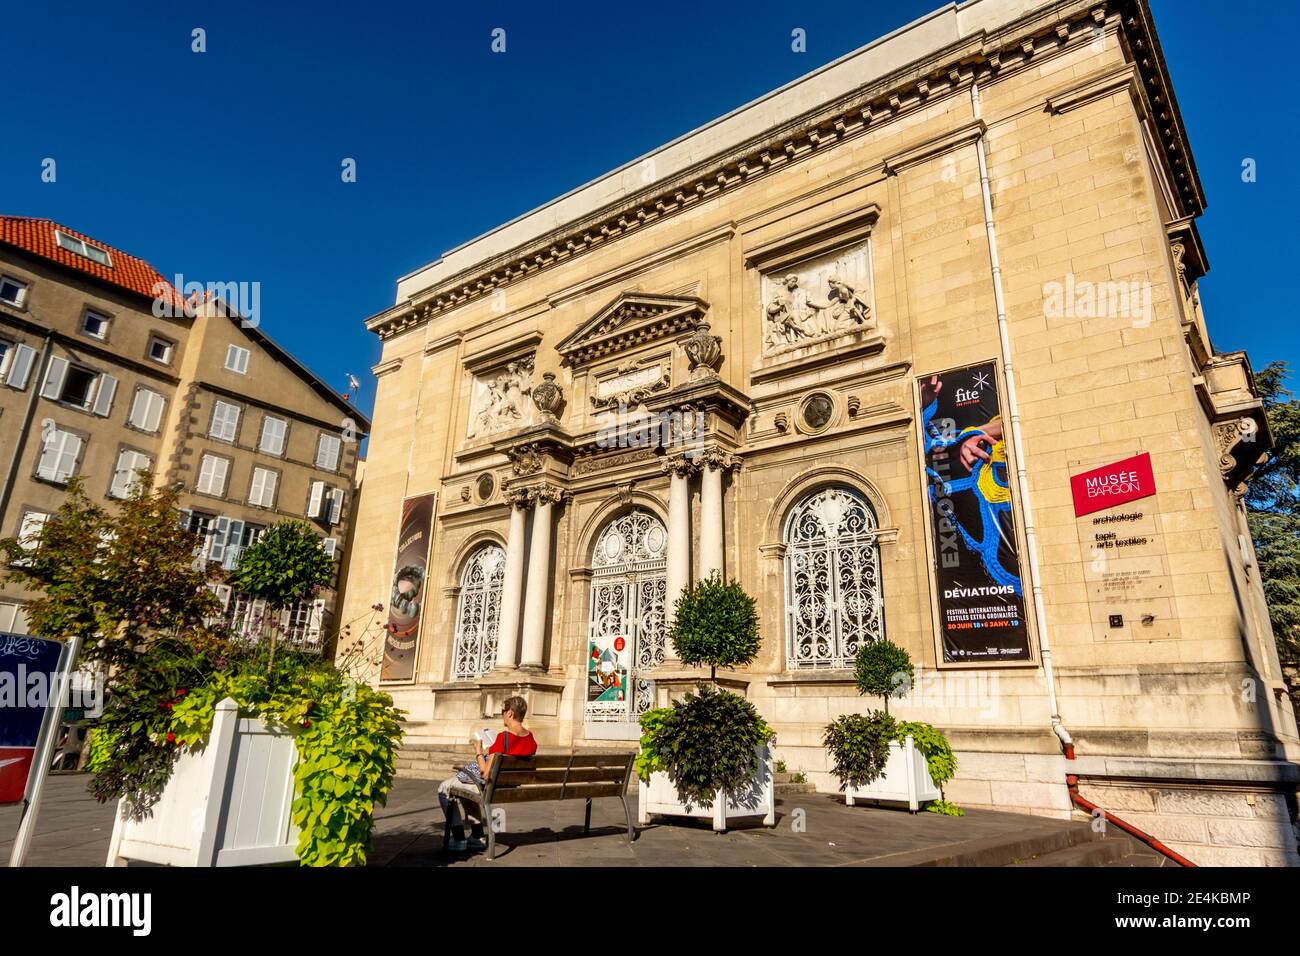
(517, 498)
(718, 459)
(546, 494)
(681, 464)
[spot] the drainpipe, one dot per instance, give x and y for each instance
(36, 381)
(1013, 407)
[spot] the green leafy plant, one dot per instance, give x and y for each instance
(346, 734)
(705, 742)
(286, 565)
(716, 623)
(883, 669)
(798, 777)
(945, 807)
(939, 758)
(779, 767)
(859, 746)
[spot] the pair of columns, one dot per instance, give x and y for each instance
(711, 463)
(538, 505)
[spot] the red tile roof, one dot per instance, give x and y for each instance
(127, 271)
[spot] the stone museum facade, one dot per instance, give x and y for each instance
(911, 347)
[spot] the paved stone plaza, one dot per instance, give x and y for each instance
(75, 830)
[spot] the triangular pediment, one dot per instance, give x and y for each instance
(633, 318)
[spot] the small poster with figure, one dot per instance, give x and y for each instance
(607, 668)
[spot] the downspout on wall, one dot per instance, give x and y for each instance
(1013, 408)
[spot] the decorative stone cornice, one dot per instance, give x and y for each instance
(633, 318)
(949, 70)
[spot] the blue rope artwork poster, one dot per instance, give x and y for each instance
(976, 560)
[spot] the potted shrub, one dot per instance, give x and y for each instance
(876, 757)
(709, 755)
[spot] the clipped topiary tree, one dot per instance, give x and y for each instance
(716, 623)
(883, 669)
(287, 564)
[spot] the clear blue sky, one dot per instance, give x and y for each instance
(225, 165)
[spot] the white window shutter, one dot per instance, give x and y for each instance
(259, 483)
(336, 505)
(185, 514)
(121, 485)
(104, 395)
(268, 492)
(59, 457)
(234, 544)
(327, 453)
(54, 376)
(153, 417)
(316, 500)
(316, 620)
(21, 366)
(331, 546)
(217, 549)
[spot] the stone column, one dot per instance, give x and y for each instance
(512, 586)
(713, 463)
(539, 577)
(679, 469)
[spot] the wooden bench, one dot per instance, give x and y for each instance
(543, 777)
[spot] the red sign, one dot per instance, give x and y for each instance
(1114, 484)
(619, 644)
(15, 763)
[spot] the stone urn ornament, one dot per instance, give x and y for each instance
(704, 351)
(548, 397)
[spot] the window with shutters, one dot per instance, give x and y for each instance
(212, 476)
(7, 353)
(29, 532)
(225, 422)
(261, 493)
(336, 505)
(60, 451)
(146, 410)
(236, 359)
(95, 325)
(12, 292)
(161, 350)
(127, 473)
(272, 439)
(17, 368)
(78, 387)
(327, 452)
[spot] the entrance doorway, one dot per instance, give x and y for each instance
(627, 628)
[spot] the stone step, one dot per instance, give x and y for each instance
(1109, 850)
(784, 789)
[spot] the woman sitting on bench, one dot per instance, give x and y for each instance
(516, 741)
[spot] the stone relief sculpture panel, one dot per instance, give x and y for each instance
(501, 400)
(818, 300)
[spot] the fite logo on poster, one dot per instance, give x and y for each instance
(1114, 484)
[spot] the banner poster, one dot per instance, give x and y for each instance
(608, 659)
(410, 589)
(28, 669)
(969, 508)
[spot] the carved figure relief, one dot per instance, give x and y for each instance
(500, 400)
(828, 296)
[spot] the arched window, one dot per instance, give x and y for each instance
(478, 612)
(833, 601)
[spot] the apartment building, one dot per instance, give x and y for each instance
(105, 370)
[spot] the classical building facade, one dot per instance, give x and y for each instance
(105, 369)
(911, 347)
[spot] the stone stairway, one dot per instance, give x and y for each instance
(1114, 848)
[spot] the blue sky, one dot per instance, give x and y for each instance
(224, 166)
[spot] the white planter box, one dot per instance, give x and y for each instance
(659, 796)
(227, 805)
(906, 779)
